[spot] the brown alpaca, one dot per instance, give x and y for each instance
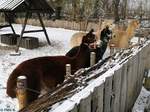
(121, 38)
(77, 37)
(47, 71)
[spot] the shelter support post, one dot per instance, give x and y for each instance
(23, 29)
(42, 24)
(10, 23)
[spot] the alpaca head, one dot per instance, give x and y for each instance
(103, 25)
(89, 37)
(109, 23)
(135, 23)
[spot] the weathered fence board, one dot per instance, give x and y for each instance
(142, 65)
(138, 83)
(136, 89)
(75, 109)
(148, 59)
(131, 82)
(123, 88)
(139, 74)
(85, 105)
(116, 90)
(97, 99)
(108, 94)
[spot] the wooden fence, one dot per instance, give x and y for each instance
(116, 91)
(111, 85)
(72, 25)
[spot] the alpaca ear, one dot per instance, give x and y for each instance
(113, 36)
(91, 31)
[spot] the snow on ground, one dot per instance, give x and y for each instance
(60, 45)
(59, 38)
(141, 101)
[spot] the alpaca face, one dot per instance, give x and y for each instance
(136, 23)
(120, 38)
(89, 38)
(111, 26)
(103, 25)
(106, 35)
(107, 23)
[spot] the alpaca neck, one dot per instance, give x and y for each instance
(130, 30)
(82, 56)
(82, 50)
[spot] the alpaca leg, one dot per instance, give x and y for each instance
(50, 83)
(33, 88)
(104, 46)
(32, 95)
(98, 54)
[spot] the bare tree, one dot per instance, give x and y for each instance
(98, 8)
(75, 8)
(124, 9)
(57, 5)
(140, 11)
(116, 10)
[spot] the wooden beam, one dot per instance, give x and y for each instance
(42, 24)
(10, 23)
(31, 31)
(23, 29)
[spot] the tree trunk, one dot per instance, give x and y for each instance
(75, 8)
(116, 10)
(124, 9)
(105, 5)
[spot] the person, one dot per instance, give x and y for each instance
(105, 36)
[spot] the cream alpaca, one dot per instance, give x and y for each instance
(121, 38)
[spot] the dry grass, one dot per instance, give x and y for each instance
(2, 19)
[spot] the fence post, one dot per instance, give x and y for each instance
(68, 71)
(112, 49)
(139, 40)
(21, 91)
(92, 58)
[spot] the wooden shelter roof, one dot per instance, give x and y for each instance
(24, 5)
